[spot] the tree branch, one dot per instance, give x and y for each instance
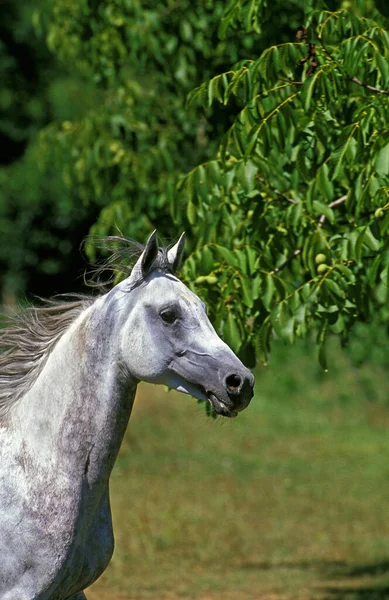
(285, 264)
(369, 87)
(277, 192)
(298, 251)
(331, 205)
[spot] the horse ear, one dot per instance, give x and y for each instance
(175, 254)
(147, 257)
(149, 254)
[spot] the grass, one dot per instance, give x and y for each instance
(288, 501)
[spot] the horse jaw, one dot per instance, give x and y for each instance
(175, 382)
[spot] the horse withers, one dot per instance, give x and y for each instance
(68, 377)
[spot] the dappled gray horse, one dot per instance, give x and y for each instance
(68, 375)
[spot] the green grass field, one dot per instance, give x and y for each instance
(288, 501)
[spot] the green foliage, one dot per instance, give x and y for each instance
(277, 166)
(112, 133)
(126, 152)
(41, 222)
(292, 214)
(37, 222)
(310, 453)
(24, 73)
(258, 15)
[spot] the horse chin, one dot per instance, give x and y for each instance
(176, 382)
(221, 408)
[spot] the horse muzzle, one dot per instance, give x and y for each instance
(219, 377)
(236, 395)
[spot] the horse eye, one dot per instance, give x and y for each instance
(169, 316)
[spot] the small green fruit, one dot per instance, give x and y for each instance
(208, 279)
(211, 279)
(379, 213)
(322, 268)
(320, 259)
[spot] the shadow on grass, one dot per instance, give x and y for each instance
(298, 565)
(337, 580)
(357, 582)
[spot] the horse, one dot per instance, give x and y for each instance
(68, 376)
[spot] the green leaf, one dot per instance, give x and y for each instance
(269, 292)
(325, 185)
(307, 89)
(198, 93)
(191, 212)
(370, 241)
(321, 346)
(359, 244)
(333, 287)
(225, 255)
(373, 271)
(241, 258)
(262, 340)
(209, 409)
(338, 326)
(340, 153)
(256, 287)
(214, 89)
(246, 284)
(284, 323)
(346, 272)
(302, 163)
(207, 260)
(323, 209)
(297, 215)
(231, 332)
(381, 162)
(383, 66)
(251, 259)
(245, 174)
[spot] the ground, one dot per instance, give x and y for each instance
(287, 502)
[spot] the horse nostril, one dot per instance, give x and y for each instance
(233, 383)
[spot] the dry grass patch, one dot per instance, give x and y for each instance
(286, 502)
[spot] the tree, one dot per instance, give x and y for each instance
(142, 58)
(291, 215)
(39, 226)
(277, 167)
(116, 134)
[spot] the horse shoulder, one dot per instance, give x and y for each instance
(94, 549)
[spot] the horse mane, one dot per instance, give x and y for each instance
(123, 253)
(27, 339)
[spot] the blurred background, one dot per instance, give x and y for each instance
(94, 130)
(290, 499)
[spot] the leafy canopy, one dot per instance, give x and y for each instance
(112, 134)
(292, 214)
(277, 167)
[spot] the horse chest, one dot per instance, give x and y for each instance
(55, 536)
(91, 550)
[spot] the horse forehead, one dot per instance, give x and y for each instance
(171, 288)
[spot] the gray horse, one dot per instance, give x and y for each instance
(68, 376)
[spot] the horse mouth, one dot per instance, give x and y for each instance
(178, 382)
(220, 407)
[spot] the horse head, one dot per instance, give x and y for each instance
(172, 340)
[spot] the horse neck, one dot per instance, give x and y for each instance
(75, 415)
